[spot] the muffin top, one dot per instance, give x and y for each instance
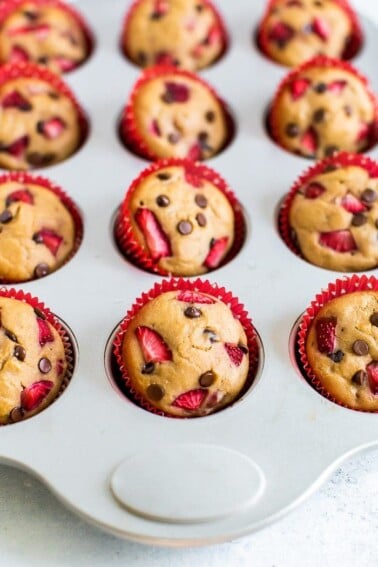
(294, 31)
(39, 125)
(186, 354)
(342, 349)
(44, 33)
(184, 33)
(37, 231)
(321, 109)
(33, 361)
(184, 223)
(177, 115)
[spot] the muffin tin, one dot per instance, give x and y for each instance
(181, 482)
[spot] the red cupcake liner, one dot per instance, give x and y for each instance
(25, 178)
(342, 159)
(352, 48)
(180, 284)
(124, 232)
(323, 62)
(45, 313)
(128, 127)
(7, 7)
(335, 289)
(218, 18)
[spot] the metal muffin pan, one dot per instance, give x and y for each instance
(182, 482)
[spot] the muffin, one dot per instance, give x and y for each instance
(293, 31)
(173, 113)
(340, 344)
(186, 33)
(40, 228)
(330, 217)
(184, 353)
(46, 32)
(34, 359)
(323, 107)
(40, 122)
(179, 218)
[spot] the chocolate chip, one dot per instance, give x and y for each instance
(11, 336)
(207, 379)
(156, 15)
(142, 58)
(148, 368)
(43, 60)
(39, 313)
(359, 219)
(244, 349)
(41, 270)
(210, 116)
(192, 312)
(330, 167)
(155, 392)
(174, 138)
(213, 337)
(201, 200)
(368, 196)
(184, 227)
(376, 223)
(40, 127)
(38, 238)
(374, 319)
(54, 95)
(31, 16)
(203, 141)
(19, 352)
(318, 4)
(6, 216)
(44, 365)
(330, 150)
(199, 7)
(292, 130)
(336, 356)
(360, 377)
(319, 115)
(37, 159)
(167, 97)
(162, 201)
(360, 348)
(16, 414)
(348, 110)
(163, 176)
(201, 219)
(320, 88)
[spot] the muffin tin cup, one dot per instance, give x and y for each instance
(335, 289)
(25, 178)
(125, 234)
(201, 286)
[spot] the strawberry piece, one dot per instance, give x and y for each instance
(176, 92)
(338, 240)
(326, 334)
(281, 33)
(363, 133)
(314, 190)
(214, 36)
(191, 400)
(321, 28)
(44, 332)
(16, 100)
(337, 86)
(51, 129)
(160, 9)
(192, 176)
(235, 353)
(153, 347)
(351, 204)
(194, 297)
(299, 87)
(155, 128)
(65, 64)
(217, 250)
(17, 148)
(156, 239)
(40, 30)
(372, 371)
(195, 152)
(309, 142)
(49, 238)
(164, 58)
(32, 396)
(22, 195)
(18, 55)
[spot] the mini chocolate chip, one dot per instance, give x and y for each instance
(41, 270)
(174, 138)
(368, 196)
(156, 15)
(31, 16)
(54, 95)
(360, 348)
(330, 150)
(16, 414)
(142, 58)
(163, 176)
(292, 130)
(148, 368)
(155, 392)
(184, 227)
(19, 352)
(203, 141)
(318, 4)
(192, 312)
(43, 60)
(376, 223)
(207, 379)
(38, 238)
(213, 337)
(329, 168)
(336, 356)
(162, 200)
(320, 88)
(44, 365)
(359, 377)
(319, 115)
(6, 216)
(201, 219)
(348, 110)
(359, 219)
(203, 136)
(199, 7)
(374, 319)
(210, 116)
(167, 97)
(39, 313)
(243, 348)
(40, 127)
(37, 159)
(201, 200)
(11, 336)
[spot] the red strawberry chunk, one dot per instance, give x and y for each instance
(49, 238)
(44, 332)
(314, 190)
(195, 152)
(164, 58)
(309, 142)
(217, 251)
(299, 87)
(65, 64)
(338, 240)
(155, 128)
(326, 334)
(18, 55)
(193, 176)
(337, 86)
(194, 297)
(23, 195)
(363, 133)
(16, 100)
(176, 92)
(153, 346)
(191, 400)
(156, 239)
(372, 371)
(40, 30)
(214, 36)
(281, 33)
(32, 396)
(351, 204)
(51, 129)
(235, 353)
(321, 28)
(17, 148)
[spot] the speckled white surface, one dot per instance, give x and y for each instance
(337, 526)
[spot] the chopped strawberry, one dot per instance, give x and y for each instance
(40, 30)
(49, 238)
(156, 239)
(164, 58)
(192, 176)
(195, 152)
(153, 347)
(32, 396)
(217, 251)
(65, 65)
(298, 87)
(160, 8)
(309, 142)
(194, 297)
(44, 332)
(364, 132)
(281, 33)
(372, 371)
(176, 92)
(52, 128)
(352, 204)
(16, 100)
(337, 86)
(326, 334)
(314, 190)
(321, 28)
(17, 148)
(191, 400)
(155, 128)
(338, 240)
(235, 353)
(18, 55)
(214, 36)
(23, 195)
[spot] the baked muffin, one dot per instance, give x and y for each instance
(177, 218)
(324, 107)
(331, 214)
(40, 228)
(293, 31)
(185, 354)
(185, 33)
(40, 123)
(43, 31)
(173, 113)
(33, 360)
